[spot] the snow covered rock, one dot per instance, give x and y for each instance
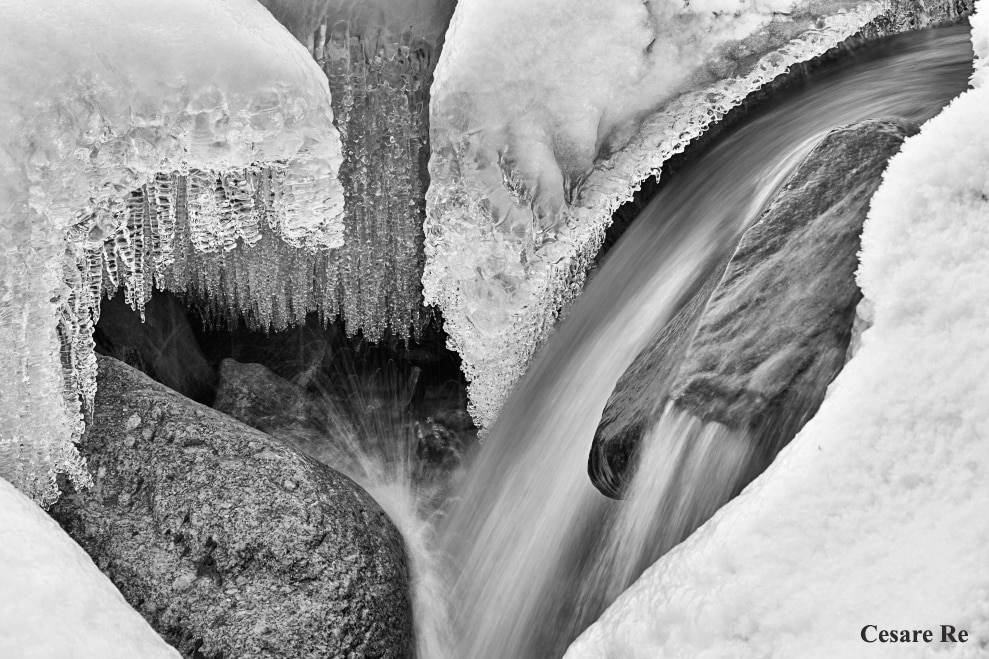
(758, 344)
(230, 542)
(106, 106)
(547, 115)
(55, 603)
(874, 514)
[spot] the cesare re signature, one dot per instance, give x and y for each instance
(948, 634)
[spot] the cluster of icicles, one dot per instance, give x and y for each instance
(247, 245)
(225, 239)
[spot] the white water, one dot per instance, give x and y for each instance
(686, 471)
(528, 565)
(370, 436)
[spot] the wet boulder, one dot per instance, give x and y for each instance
(230, 542)
(757, 346)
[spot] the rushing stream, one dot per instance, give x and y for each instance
(535, 552)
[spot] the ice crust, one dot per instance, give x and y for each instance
(874, 514)
(56, 602)
(106, 105)
(546, 116)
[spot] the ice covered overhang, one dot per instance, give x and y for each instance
(548, 115)
(874, 514)
(102, 98)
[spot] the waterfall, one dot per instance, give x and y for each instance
(536, 553)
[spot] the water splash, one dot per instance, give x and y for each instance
(687, 470)
(362, 423)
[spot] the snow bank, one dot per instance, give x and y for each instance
(96, 98)
(875, 513)
(55, 603)
(547, 115)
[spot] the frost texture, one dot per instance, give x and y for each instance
(120, 125)
(56, 602)
(546, 116)
(884, 490)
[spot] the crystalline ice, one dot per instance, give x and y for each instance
(108, 109)
(546, 116)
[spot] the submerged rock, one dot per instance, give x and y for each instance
(642, 392)
(231, 543)
(756, 347)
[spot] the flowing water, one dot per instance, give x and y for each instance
(535, 552)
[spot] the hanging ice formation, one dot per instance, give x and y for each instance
(232, 252)
(547, 115)
(379, 58)
(129, 133)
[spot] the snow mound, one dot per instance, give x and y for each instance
(547, 115)
(103, 101)
(874, 514)
(56, 603)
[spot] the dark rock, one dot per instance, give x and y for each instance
(255, 395)
(163, 346)
(229, 542)
(756, 351)
(317, 425)
(455, 419)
